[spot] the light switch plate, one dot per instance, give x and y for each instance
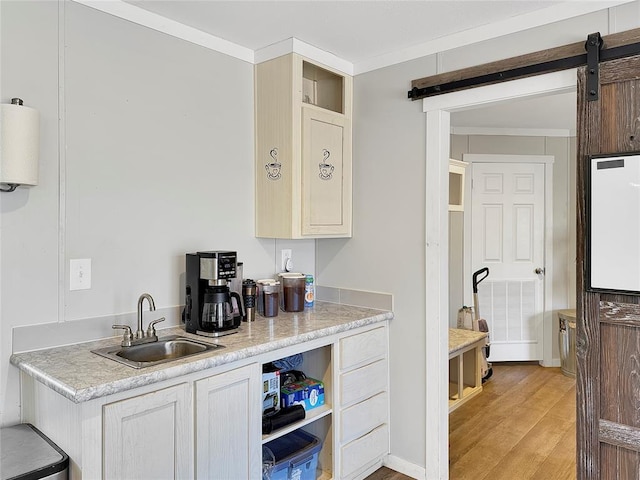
(80, 274)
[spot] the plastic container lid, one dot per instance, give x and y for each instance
(292, 275)
(292, 448)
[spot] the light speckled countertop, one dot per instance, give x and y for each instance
(460, 338)
(79, 375)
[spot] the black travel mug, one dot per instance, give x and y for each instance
(249, 298)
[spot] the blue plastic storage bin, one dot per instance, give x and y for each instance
(296, 456)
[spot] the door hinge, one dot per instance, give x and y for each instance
(593, 46)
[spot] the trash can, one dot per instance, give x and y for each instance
(567, 339)
(28, 454)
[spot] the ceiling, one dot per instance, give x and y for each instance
(352, 30)
(370, 33)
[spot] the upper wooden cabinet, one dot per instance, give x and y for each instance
(303, 149)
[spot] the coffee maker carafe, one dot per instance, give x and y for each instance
(208, 309)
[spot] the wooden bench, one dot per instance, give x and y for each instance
(465, 360)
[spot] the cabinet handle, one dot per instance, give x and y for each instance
(326, 169)
(273, 168)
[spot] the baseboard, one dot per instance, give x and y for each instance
(367, 471)
(555, 362)
(406, 468)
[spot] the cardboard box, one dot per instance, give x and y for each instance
(270, 392)
(308, 392)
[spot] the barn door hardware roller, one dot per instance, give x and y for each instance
(593, 46)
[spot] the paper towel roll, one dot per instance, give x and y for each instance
(19, 144)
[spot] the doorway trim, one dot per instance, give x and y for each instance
(438, 130)
(547, 281)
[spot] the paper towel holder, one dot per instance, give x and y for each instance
(19, 146)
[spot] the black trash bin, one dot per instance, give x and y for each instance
(27, 454)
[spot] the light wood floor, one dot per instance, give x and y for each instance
(522, 427)
(385, 473)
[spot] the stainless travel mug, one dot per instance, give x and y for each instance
(249, 298)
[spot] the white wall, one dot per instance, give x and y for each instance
(159, 160)
(156, 160)
(386, 253)
(388, 247)
(29, 222)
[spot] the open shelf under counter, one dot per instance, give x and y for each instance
(311, 416)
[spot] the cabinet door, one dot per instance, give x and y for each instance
(148, 436)
(228, 425)
(326, 173)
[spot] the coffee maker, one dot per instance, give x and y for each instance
(208, 309)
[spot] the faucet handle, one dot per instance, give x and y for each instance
(128, 334)
(151, 329)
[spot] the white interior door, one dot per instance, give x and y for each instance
(507, 234)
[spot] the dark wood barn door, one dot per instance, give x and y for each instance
(608, 327)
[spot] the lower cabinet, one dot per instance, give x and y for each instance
(227, 423)
(207, 424)
(148, 436)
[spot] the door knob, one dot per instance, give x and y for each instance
(539, 270)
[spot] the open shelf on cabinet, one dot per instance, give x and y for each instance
(311, 416)
(317, 364)
(322, 87)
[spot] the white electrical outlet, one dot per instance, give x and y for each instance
(80, 274)
(286, 260)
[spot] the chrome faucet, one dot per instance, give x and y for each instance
(152, 308)
(129, 339)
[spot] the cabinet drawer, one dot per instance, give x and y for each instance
(363, 417)
(358, 349)
(363, 382)
(364, 450)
